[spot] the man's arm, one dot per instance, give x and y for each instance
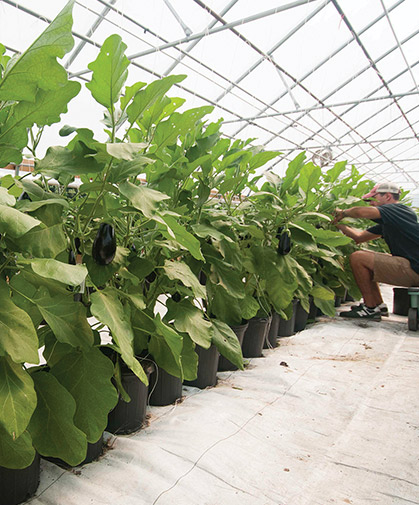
(359, 236)
(357, 212)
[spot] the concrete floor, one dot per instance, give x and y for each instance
(331, 416)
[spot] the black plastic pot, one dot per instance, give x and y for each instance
(16, 486)
(207, 367)
(254, 337)
(348, 297)
(401, 301)
(272, 334)
(94, 451)
(286, 327)
(164, 388)
(128, 417)
(313, 310)
(301, 317)
(223, 363)
(338, 301)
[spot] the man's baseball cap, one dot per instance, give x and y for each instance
(384, 187)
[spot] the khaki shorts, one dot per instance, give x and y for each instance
(394, 270)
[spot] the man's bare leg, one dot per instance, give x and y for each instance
(362, 264)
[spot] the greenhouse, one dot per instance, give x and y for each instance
(209, 252)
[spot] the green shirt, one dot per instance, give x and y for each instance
(399, 227)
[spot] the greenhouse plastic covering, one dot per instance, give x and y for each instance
(337, 78)
(329, 417)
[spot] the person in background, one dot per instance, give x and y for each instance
(398, 225)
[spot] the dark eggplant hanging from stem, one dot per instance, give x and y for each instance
(284, 244)
(104, 245)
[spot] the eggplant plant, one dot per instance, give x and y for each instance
(153, 223)
(58, 404)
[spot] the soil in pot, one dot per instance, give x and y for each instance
(286, 327)
(225, 364)
(207, 367)
(401, 301)
(16, 486)
(254, 337)
(164, 388)
(128, 417)
(272, 334)
(301, 317)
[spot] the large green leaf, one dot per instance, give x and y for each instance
(6, 198)
(183, 237)
(225, 307)
(43, 242)
(38, 66)
(20, 284)
(331, 238)
(17, 397)
(189, 319)
(142, 197)
(205, 230)
(129, 93)
(45, 110)
(108, 309)
(54, 351)
(52, 428)
(109, 71)
(309, 177)
(227, 343)
(166, 347)
(281, 283)
(126, 151)
(64, 273)
(293, 170)
(227, 277)
(28, 206)
(15, 223)
(322, 293)
(141, 267)
(249, 307)
(327, 237)
(18, 336)
(121, 171)
(326, 306)
(147, 97)
(333, 173)
(71, 162)
(87, 376)
(177, 124)
(66, 318)
(260, 159)
(177, 270)
(16, 453)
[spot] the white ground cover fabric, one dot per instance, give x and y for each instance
(329, 417)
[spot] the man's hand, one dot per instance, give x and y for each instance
(338, 215)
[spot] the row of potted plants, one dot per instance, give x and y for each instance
(169, 243)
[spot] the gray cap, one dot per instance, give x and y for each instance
(383, 187)
(388, 187)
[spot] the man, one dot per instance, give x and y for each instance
(398, 225)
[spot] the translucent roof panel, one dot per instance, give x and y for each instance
(338, 75)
